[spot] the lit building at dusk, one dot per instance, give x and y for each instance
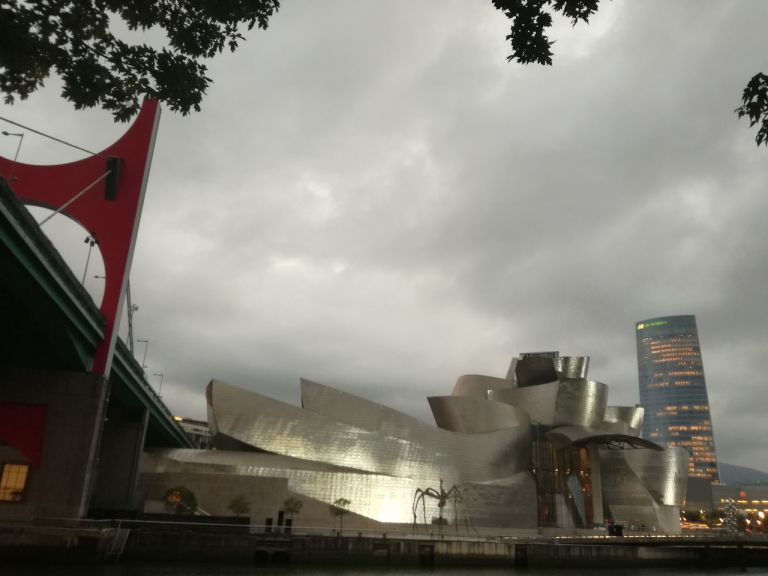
(673, 391)
(538, 450)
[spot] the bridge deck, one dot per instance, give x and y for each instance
(51, 322)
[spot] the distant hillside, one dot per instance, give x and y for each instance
(730, 474)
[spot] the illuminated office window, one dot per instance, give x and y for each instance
(673, 390)
(13, 481)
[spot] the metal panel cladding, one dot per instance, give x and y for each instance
(581, 403)
(474, 415)
(479, 385)
(385, 458)
(573, 367)
(624, 419)
(643, 487)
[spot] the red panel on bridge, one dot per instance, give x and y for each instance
(23, 426)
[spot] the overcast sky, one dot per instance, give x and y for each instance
(373, 198)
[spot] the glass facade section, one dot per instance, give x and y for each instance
(563, 483)
(673, 391)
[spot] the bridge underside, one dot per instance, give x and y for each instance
(75, 436)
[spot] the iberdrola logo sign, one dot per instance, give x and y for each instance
(643, 325)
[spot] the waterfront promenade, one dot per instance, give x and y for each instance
(135, 541)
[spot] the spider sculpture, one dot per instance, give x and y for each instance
(442, 496)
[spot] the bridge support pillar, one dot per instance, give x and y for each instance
(50, 423)
(122, 442)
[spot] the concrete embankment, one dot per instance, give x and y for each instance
(148, 543)
(668, 552)
(198, 543)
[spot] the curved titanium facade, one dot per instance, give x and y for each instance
(575, 432)
(549, 454)
(568, 402)
(478, 385)
(581, 403)
(624, 419)
(473, 415)
(645, 486)
(575, 367)
(281, 428)
(537, 401)
(382, 454)
(665, 477)
(355, 411)
(674, 392)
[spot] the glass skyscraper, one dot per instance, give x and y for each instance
(673, 391)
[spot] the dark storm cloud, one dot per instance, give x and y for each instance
(373, 198)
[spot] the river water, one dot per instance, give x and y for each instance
(213, 569)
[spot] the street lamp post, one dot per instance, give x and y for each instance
(131, 309)
(144, 358)
(20, 136)
(91, 241)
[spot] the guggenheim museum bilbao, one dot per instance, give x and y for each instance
(538, 449)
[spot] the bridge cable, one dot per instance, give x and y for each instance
(54, 138)
(75, 197)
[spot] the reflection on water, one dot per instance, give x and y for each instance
(214, 569)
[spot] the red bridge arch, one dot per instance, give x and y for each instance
(110, 210)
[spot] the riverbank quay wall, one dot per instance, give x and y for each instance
(140, 542)
(159, 545)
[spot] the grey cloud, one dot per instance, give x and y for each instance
(373, 198)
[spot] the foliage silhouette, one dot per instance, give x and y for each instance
(77, 40)
(529, 23)
(339, 508)
(292, 506)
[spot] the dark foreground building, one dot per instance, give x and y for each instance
(673, 391)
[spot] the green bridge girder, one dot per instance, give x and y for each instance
(50, 322)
